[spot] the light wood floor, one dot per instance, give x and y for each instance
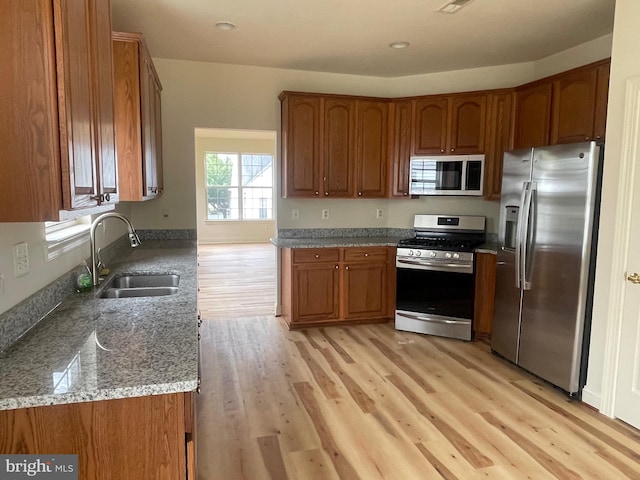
(369, 402)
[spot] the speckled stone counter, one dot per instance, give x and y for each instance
(490, 246)
(340, 237)
(91, 348)
(325, 238)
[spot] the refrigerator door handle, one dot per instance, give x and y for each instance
(520, 231)
(526, 235)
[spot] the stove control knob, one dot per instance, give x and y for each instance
(456, 255)
(447, 255)
(433, 254)
(411, 253)
(418, 253)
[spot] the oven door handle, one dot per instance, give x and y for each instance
(442, 267)
(434, 320)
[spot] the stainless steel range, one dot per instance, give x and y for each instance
(436, 275)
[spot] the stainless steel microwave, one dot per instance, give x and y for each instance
(446, 175)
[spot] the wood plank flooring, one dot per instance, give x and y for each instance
(369, 402)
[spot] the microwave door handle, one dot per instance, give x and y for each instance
(519, 235)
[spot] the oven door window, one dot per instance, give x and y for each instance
(437, 293)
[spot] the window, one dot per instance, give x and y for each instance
(62, 237)
(239, 186)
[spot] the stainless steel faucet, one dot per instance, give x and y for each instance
(134, 241)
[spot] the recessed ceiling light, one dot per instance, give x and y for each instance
(399, 44)
(225, 25)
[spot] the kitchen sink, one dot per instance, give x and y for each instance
(148, 285)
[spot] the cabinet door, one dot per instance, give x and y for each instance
(498, 141)
(151, 133)
(338, 155)
(157, 116)
(29, 137)
(484, 293)
(105, 131)
(401, 148)
(533, 115)
(574, 101)
(430, 125)
(602, 97)
(372, 148)
(467, 116)
(301, 142)
(315, 294)
(73, 38)
(365, 289)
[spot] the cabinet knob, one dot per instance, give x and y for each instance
(317, 193)
(347, 268)
(317, 256)
(360, 194)
(326, 194)
(405, 194)
(366, 254)
(337, 267)
(453, 149)
(586, 138)
(441, 150)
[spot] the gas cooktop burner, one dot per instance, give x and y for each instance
(463, 245)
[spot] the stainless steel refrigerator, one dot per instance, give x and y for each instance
(547, 236)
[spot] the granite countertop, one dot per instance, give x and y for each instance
(91, 348)
(326, 242)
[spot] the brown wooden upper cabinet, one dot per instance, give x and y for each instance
(333, 146)
(138, 119)
(372, 148)
(579, 104)
(499, 120)
(338, 152)
(57, 141)
(449, 125)
(532, 114)
(400, 127)
(565, 108)
(300, 155)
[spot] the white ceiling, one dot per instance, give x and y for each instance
(352, 36)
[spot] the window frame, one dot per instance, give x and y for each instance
(240, 187)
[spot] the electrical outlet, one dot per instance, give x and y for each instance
(379, 213)
(20, 259)
(295, 214)
(325, 213)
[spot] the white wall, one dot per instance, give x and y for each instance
(42, 272)
(624, 64)
(229, 231)
(206, 95)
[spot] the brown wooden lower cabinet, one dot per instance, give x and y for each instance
(484, 294)
(324, 286)
(140, 437)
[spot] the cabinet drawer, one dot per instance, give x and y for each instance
(309, 255)
(355, 254)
